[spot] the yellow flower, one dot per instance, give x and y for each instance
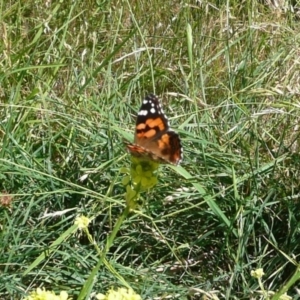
(258, 273)
(119, 294)
(82, 222)
(42, 294)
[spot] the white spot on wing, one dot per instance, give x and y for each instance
(145, 101)
(143, 113)
(152, 110)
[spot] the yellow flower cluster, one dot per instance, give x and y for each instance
(82, 222)
(258, 273)
(42, 294)
(143, 172)
(119, 294)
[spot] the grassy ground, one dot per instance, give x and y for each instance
(72, 77)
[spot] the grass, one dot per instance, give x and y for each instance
(73, 75)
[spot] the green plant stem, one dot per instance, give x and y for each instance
(113, 234)
(89, 283)
(286, 287)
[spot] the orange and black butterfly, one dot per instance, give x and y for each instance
(153, 137)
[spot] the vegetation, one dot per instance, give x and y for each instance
(72, 78)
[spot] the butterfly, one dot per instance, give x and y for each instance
(153, 137)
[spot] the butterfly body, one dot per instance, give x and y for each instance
(153, 137)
